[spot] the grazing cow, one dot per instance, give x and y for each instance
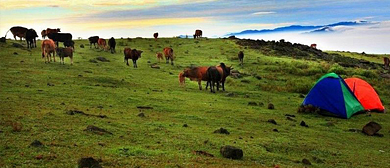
(60, 37)
(386, 62)
(313, 45)
(65, 52)
(69, 44)
(213, 76)
(241, 57)
(159, 56)
(155, 35)
(43, 34)
(225, 72)
(195, 74)
(48, 47)
(112, 44)
(31, 36)
(198, 34)
(17, 31)
(132, 54)
(49, 31)
(93, 40)
(168, 53)
(102, 43)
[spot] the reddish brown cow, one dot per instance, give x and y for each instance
(48, 31)
(198, 34)
(159, 56)
(65, 52)
(132, 54)
(155, 35)
(102, 43)
(43, 33)
(386, 62)
(168, 53)
(313, 45)
(48, 48)
(18, 31)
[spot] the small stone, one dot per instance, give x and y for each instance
(252, 104)
(102, 59)
(50, 84)
(88, 162)
(15, 53)
(289, 115)
(291, 119)
(231, 152)
(26, 85)
(229, 94)
(141, 115)
(81, 45)
(185, 125)
(272, 121)
(149, 62)
(306, 161)
(36, 143)
(222, 131)
(271, 106)
(275, 130)
(39, 157)
(371, 128)
(303, 124)
(258, 77)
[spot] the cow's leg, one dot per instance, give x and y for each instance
(200, 84)
(217, 85)
(207, 84)
(171, 61)
(167, 60)
(127, 61)
(223, 85)
(54, 56)
(71, 60)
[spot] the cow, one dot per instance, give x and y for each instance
(155, 35)
(241, 57)
(112, 44)
(386, 62)
(43, 34)
(132, 54)
(17, 31)
(102, 43)
(93, 40)
(198, 33)
(31, 36)
(313, 45)
(159, 56)
(49, 31)
(48, 47)
(69, 44)
(65, 52)
(60, 37)
(195, 74)
(168, 53)
(213, 76)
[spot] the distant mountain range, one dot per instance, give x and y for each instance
(303, 29)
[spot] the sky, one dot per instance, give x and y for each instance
(141, 18)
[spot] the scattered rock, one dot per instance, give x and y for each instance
(354, 130)
(229, 94)
(272, 121)
(73, 112)
(155, 66)
(15, 53)
(252, 104)
(93, 61)
(88, 162)
(81, 45)
(17, 45)
(258, 77)
(141, 115)
(303, 124)
(97, 130)
(144, 107)
(88, 71)
(378, 135)
(185, 125)
(26, 85)
(204, 153)
(275, 130)
(62, 103)
(231, 152)
(291, 119)
(36, 143)
(261, 104)
(371, 128)
(222, 131)
(50, 84)
(271, 106)
(306, 161)
(289, 115)
(102, 59)
(149, 62)
(80, 75)
(246, 96)
(99, 106)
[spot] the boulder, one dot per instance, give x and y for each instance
(231, 152)
(371, 128)
(222, 131)
(88, 162)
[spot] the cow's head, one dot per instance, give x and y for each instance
(58, 30)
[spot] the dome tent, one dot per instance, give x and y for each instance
(366, 94)
(332, 94)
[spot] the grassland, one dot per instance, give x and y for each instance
(35, 98)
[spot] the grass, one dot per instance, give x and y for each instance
(32, 110)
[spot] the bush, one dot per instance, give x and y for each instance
(336, 68)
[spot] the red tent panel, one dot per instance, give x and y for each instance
(365, 93)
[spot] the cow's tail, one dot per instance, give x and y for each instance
(43, 50)
(6, 33)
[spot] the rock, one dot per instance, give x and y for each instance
(15, 53)
(306, 161)
(261, 104)
(222, 131)
(2, 39)
(149, 62)
(17, 45)
(246, 96)
(39, 157)
(371, 128)
(50, 84)
(144, 107)
(291, 119)
(231, 152)
(301, 96)
(155, 66)
(271, 106)
(289, 115)
(303, 124)
(272, 121)
(236, 75)
(204, 153)
(102, 59)
(275, 130)
(36, 143)
(378, 135)
(93, 61)
(353, 130)
(81, 45)
(258, 77)
(185, 125)
(252, 104)
(141, 115)
(88, 71)
(97, 130)
(88, 162)
(229, 94)
(26, 85)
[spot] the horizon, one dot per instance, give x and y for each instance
(216, 18)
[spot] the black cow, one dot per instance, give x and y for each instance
(241, 57)
(31, 36)
(112, 44)
(69, 44)
(60, 37)
(93, 40)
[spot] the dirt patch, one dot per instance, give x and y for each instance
(73, 112)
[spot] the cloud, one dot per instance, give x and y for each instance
(263, 13)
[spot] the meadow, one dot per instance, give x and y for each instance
(38, 102)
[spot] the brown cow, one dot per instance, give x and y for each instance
(155, 35)
(159, 56)
(386, 62)
(48, 31)
(241, 57)
(48, 48)
(43, 33)
(102, 43)
(198, 34)
(313, 45)
(132, 54)
(18, 31)
(168, 53)
(65, 52)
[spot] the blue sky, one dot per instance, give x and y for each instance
(170, 18)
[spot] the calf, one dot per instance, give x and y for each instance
(31, 36)
(65, 52)
(93, 40)
(241, 57)
(48, 48)
(132, 54)
(168, 53)
(159, 56)
(112, 44)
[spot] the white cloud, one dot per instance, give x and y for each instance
(263, 13)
